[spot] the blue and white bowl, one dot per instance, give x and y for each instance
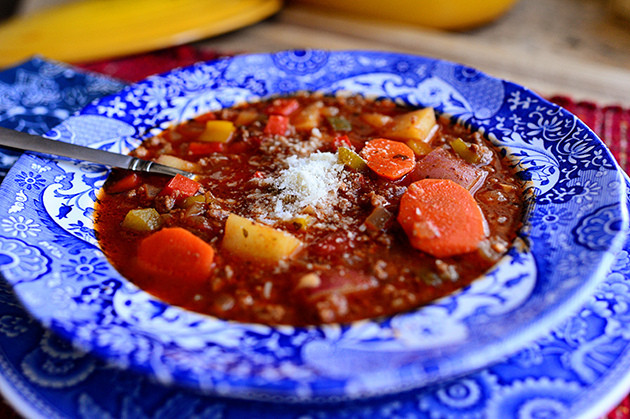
(576, 221)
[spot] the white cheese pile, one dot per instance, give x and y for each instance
(308, 181)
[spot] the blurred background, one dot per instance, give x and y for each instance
(576, 47)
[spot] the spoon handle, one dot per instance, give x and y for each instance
(28, 142)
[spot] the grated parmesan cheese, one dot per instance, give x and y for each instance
(308, 181)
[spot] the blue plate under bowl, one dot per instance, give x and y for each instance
(576, 220)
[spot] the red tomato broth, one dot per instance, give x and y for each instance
(346, 269)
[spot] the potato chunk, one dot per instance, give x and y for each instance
(414, 125)
(309, 117)
(217, 131)
(254, 241)
(177, 163)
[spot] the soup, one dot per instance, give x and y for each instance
(311, 209)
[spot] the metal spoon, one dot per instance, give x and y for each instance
(28, 142)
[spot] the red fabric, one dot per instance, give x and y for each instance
(610, 123)
(622, 411)
(137, 67)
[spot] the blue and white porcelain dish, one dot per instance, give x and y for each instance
(581, 369)
(576, 222)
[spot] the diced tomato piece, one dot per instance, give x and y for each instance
(132, 180)
(277, 125)
(342, 141)
(283, 107)
(180, 187)
(197, 148)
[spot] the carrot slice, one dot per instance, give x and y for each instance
(387, 158)
(176, 253)
(441, 218)
(124, 184)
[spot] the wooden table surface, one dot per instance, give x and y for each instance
(578, 48)
(570, 47)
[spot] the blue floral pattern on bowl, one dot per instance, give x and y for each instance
(549, 271)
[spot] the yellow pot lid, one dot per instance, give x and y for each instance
(96, 29)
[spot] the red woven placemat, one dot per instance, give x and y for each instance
(610, 123)
(137, 67)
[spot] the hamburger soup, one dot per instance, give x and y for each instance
(311, 209)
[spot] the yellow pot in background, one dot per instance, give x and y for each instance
(443, 14)
(86, 30)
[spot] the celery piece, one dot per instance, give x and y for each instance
(419, 147)
(146, 219)
(339, 123)
(350, 159)
(376, 120)
(462, 150)
(246, 117)
(192, 200)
